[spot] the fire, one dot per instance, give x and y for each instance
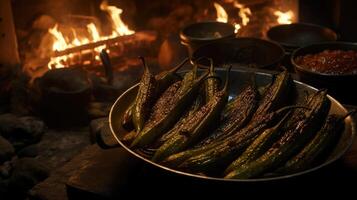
(284, 17)
(119, 27)
(243, 13)
(222, 15)
(62, 43)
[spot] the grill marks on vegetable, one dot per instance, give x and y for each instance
(236, 115)
(292, 141)
(144, 99)
(196, 125)
(169, 116)
(164, 104)
(253, 137)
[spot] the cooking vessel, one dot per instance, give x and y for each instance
(64, 95)
(292, 36)
(251, 52)
(197, 34)
(338, 85)
(240, 78)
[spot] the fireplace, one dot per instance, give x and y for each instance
(68, 34)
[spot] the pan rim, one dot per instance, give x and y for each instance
(266, 179)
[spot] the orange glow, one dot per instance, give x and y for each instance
(120, 28)
(222, 15)
(61, 42)
(243, 13)
(284, 17)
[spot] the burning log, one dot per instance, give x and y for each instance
(147, 36)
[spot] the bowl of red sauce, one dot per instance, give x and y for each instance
(331, 65)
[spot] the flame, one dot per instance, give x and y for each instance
(62, 43)
(243, 13)
(284, 17)
(236, 28)
(222, 15)
(119, 27)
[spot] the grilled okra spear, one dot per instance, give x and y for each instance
(167, 78)
(291, 141)
(167, 116)
(198, 102)
(331, 129)
(259, 145)
(274, 96)
(211, 84)
(127, 122)
(192, 129)
(273, 99)
(210, 89)
(226, 150)
(161, 82)
(144, 98)
(236, 116)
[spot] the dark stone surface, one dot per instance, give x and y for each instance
(27, 172)
(29, 151)
(21, 131)
(54, 188)
(112, 177)
(57, 147)
(95, 127)
(6, 169)
(99, 110)
(6, 150)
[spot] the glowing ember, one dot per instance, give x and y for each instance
(284, 17)
(236, 28)
(222, 15)
(62, 43)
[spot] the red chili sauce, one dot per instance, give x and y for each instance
(334, 62)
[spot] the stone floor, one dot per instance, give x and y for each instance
(58, 147)
(33, 163)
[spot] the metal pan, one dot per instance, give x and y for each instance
(240, 78)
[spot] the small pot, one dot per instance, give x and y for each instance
(296, 35)
(195, 35)
(243, 51)
(64, 96)
(340, 86)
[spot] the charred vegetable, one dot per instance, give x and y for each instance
(317, 146)
(211, 84)
(198, 102)
(192, 129)
(166, 116)
(235, 115)
(259, 145)
(151, 88)
(291, 141)
(144, 98)
(275, 95)
(228, 149)
(127, 122)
